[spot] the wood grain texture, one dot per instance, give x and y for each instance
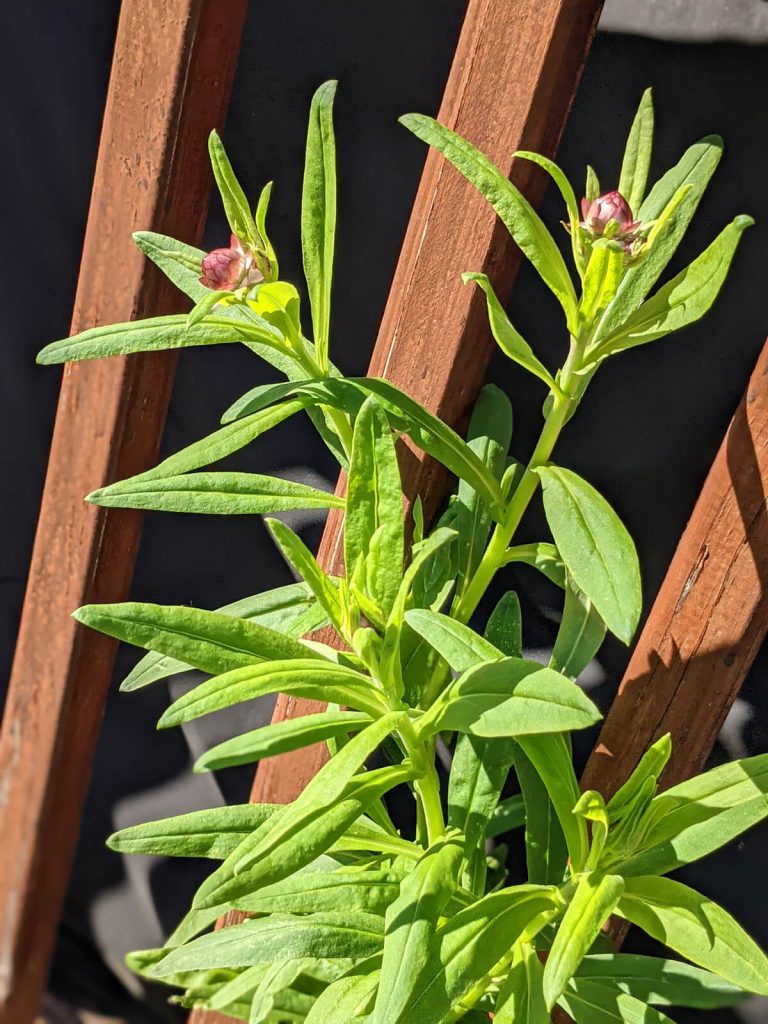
(170, 81)
(512, 82)
(709, 618)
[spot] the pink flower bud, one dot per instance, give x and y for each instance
(610, 215)
(231, 268)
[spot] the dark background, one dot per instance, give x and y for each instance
(646, 432)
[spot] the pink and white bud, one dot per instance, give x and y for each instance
(225, 270)
(610, 215)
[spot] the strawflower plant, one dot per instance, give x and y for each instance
(349, 919)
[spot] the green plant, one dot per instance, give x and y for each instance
(349, 919)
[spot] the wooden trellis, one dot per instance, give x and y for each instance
(511, 86)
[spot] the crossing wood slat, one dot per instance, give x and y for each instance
(511, 86)
(710, 616)
(170, 81)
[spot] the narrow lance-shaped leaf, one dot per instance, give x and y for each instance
(280, 737)
(580, 635)
(697, 928)
(268, 940)
(658, 981)
(684, 299)
(592, 1004)
(291, 610)
(261, 226)
(569, 197)
(305, 563)
(701, 814)
(509, 340)
(510, 697)
(209, 641)
(516, 213)
(551, 758)
(318, 214)
(489, 435)
(309, 827)
(218, 494)
(212, 833)
(374, 506)
(592, 904)
(637, 155)
(181, 263)
(411, 921)
(470, 944)
(314, 680)
(595, 547)
(236, 205)
(546, 850)
(521, 997)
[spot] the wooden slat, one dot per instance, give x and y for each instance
(511, 86)
(709, 618)
(170, 82)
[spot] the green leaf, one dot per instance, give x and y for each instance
(261, 226)
(470, 944)
(509, 340)
(592, 904)
(309, 827)
(311, 892)
(272, 940)
(510, 697)
(507, 815)
(236, 206)
(580, 635)
(551, 759)
(478, 772)
(569, 197)
(411, 921)
(546, 851)
(541, 556)
(516, 213)
(594, 545)
(505, 626)
(696, 167)
(460, 645)
(650, 766)
(597, 1004)
(181, 263)
(697, 928)
(347, 999)
(318, 214)
(291, 610)
(698, 816)
(210, 641)
(521, 997)
(306, 565)
(684, 299)
(279, 737)
(212, 833)
(222, 494)
(489, 435)
(373, 524)
(604, 272)
(659, 982)
(637, 155)
(314, 679)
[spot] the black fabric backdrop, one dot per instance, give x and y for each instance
(645, 435)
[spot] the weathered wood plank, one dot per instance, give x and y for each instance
(169, 86)
(710, 616)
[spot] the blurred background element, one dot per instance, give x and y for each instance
(647, 431)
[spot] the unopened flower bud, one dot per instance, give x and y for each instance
(230, 268)
(610, 215)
